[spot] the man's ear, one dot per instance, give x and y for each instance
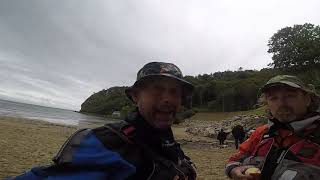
(134, 95)
(308, 99)
(267, 112)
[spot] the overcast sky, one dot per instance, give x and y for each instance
(57, 53)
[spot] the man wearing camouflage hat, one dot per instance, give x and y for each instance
(289, 146)
(140, 147)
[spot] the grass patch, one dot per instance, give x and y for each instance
(210, 163)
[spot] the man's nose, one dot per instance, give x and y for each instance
(166, 96)
(283, 100)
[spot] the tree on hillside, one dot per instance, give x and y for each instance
(106, 101)
(295, 47)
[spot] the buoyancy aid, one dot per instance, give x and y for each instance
(82, 157)
(284, 153)
(124, 138)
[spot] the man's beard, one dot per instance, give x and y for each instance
(285, 114)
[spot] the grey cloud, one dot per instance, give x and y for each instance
(60, 52)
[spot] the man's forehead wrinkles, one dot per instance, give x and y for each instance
(285, 89)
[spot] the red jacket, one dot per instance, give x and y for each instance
(273, 148)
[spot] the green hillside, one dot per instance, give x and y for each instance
(295, 51)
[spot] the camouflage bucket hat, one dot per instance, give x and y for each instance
(291, 81)
(288, 80)
(160, 69)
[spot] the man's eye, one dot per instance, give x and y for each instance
(273, 98)
(157, 89)
(291, 95)
(174, 91)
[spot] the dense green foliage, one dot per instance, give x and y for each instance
(106, 101)
(296, 51)
(296, 47)
(228, 91)
(222, 91)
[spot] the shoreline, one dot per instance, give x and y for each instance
(35, 121)
(26, 143)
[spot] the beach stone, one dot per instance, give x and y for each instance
(211, 129)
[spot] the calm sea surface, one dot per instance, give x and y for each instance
(54, 115)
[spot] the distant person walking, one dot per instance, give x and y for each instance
(238, 134)
(222, 136)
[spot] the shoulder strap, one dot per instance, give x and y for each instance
(315, 135)
(110, 134)
(104, 133)
(119, 137)
(276, 153)
(65, 153)
(124, 130)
